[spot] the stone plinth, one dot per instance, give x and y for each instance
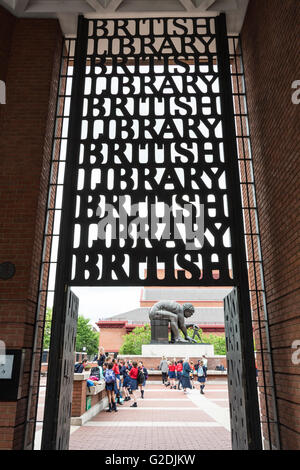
(177, 350)
(159, 331)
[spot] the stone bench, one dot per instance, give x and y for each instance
(96, 394)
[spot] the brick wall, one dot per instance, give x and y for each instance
(31, 57)
(153, 362)
(111, 338)
(7, 25)
(78, 398)
(270, 39)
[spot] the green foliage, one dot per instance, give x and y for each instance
(47, 330)
(133, 341)
(219, 342)
(142, 335)
(86, 336)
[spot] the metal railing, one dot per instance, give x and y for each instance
(260, 321)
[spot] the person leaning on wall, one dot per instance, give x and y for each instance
(101, 357)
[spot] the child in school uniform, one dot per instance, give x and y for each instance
(202, 374)
(172, 374)
(179, 373)
(133, 374)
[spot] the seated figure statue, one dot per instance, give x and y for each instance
(175, 314)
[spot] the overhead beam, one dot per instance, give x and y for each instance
(94, 4)
(187, 4)
(114, 5)
(68, 23)
(20, 6)
(56, 6)
(203, 5)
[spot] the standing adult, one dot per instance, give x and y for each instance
(163, 366)
(205, 361)
(101, 358)
(185, 379)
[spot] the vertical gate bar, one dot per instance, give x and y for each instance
(264, 296)
(237, 236)
(251, 230)
(38, 306)
(64, 259)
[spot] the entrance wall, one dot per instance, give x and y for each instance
(29, 62)
(270, 38)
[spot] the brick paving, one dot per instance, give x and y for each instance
(164, 420)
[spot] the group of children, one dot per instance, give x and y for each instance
(123, 379)
(183, 372)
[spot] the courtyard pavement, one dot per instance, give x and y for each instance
(164, 420)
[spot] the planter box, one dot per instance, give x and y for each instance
(95, 389)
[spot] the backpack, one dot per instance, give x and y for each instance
(95, 372)
(140, 377)
(110, 376)
(76, 367)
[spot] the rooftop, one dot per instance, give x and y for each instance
(186, 294)
(202, 315)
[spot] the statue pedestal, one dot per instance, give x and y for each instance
(178, 350)
(159, 331)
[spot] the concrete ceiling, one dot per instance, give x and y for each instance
(67, 10)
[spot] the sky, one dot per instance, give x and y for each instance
(102, 302)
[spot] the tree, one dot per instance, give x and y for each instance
(142, 335)
(47, 329)
(86, 336)
(133, 341)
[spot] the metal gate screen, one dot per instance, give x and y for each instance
(151, 172)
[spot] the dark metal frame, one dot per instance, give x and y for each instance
(260, 320)
(51, 236)
(63, 275)
(139, 252)
(239, 258)
(64, 260)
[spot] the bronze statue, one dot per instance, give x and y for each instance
(169, 312)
